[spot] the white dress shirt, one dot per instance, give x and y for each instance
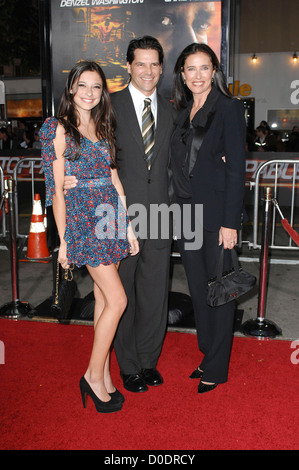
(138, 101)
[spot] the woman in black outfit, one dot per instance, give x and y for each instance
(208, 169)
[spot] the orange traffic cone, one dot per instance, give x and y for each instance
(45, 219)
(37, 240)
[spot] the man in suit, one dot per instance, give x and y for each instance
(145, 277)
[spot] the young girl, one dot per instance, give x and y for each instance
(92, 224)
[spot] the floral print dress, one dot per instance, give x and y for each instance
(96, 220)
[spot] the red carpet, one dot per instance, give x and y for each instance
(41, 406)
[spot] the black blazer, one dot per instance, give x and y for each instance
(219, 129)
(141, 185)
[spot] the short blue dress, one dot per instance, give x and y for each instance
(96, 220)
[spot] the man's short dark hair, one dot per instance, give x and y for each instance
(146, 42)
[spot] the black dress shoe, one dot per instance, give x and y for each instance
(152, 377)
(134, 383)
(197, 374)
(202, 388)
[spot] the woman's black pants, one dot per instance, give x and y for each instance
(214, 325)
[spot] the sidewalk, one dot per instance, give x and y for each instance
(282, 303)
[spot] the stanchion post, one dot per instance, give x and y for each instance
(16, 308)
(260, 327)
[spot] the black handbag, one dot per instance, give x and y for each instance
(230, 285)
(64, 293)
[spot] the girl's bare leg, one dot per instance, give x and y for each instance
(98, 309)
(113, 298)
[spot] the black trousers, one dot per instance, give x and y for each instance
(214, 325)
(141, 331)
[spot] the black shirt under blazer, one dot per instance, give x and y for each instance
(218, 129)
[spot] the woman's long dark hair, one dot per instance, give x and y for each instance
(102, 114)
(181, 93)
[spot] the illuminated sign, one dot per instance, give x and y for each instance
(239, 90)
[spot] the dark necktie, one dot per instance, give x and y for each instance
(148, 131)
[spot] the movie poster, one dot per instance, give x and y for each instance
(101, 30)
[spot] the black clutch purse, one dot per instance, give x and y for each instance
(64, 293)
(228, 286)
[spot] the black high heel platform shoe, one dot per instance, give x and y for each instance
(110, 406)
(196, 374)
(117, 396)
(203, 388)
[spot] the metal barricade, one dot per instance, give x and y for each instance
(292, 165)
(32, 161)
(260, 327)
(3, 220)
(15, 308)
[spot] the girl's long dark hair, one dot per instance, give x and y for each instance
(102, 114)
(181, 93)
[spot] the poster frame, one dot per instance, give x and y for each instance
(48, 99)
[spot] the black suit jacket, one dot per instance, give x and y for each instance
(141, 185)
(219, 130)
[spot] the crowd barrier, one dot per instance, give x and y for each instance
(15, 308)
(290, 196)
(3, 190)
(258, 327)
(266, 239)
(31, 178)
(256, 185)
